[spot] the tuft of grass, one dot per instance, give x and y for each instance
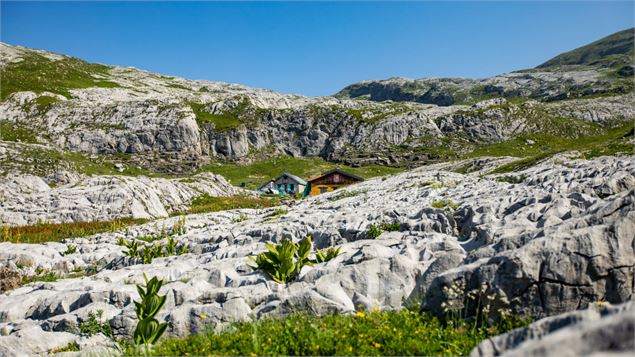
(207, 203)
(445, 203)
(55, 232)
(390, 333)
(279, 212)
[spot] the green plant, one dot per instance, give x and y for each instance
(373, 232)
(514, 179)
(375, 333)
(390, 227)
(148, 329)
(207, 203)
(239, 219)
(279, 212)
(283, 262)
(70, 249)
(55, 232)
(95, 325)
(445, 203)
(325, 255)
(179, 227)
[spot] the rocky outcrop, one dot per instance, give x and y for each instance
(602, 329)
(26, 200)
(554, 242)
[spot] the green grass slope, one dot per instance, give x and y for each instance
(615, 49)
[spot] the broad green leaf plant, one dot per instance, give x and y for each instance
(284, 261)
(148, 329)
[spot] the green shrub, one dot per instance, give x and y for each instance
(373, 231)
(95, 325)
(445, 203)
(325, 255)
(390, 227)
(70, 249)
(148, 329)
(279, 212)
(146, 252)
(283, 262)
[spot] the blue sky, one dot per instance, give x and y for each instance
(313, 48)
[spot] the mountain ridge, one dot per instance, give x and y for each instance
(553, 80)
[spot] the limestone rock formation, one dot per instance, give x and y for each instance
(557, 240)
(602, 329)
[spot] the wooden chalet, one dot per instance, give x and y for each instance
(330, 181)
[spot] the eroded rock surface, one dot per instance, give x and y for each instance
(558, 240)
(602, 329)
(27, 199)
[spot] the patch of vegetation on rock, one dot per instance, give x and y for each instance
(377, 333)
(207, 203)
(55, 232)
(39, 74)
(12, 131)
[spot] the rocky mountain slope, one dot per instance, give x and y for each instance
(601, 68)
(169, 124)
(555, 241)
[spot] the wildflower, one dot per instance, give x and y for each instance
(376, 309)
(350, 348)
(377, 345)
(600, 303)
(360, 314)
(253, 354)
(203, 316)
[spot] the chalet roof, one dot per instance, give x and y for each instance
(265, 184)
(293, 177)
(339, 171)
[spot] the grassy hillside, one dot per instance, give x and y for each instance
(616, 49)
(39, 74)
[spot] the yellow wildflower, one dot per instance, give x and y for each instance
(350, 348)
(376, 309)
(203, 316)
(377, 344)
(360, 314)
(600, 303)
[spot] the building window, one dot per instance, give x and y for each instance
(336, 178)
(280, 187)
(290, 188)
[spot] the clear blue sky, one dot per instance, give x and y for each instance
(313, 48)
